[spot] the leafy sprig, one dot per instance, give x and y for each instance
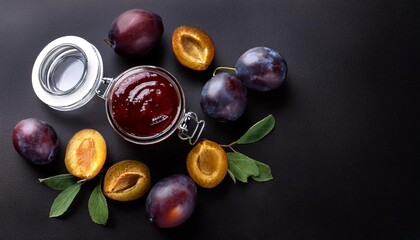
(241, 167)
(70, 187)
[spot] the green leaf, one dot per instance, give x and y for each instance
(59, 182)
(98, 207)
(264, 172)
(258, 130)
(241, 166)
(64, 199)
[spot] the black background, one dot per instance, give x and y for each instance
(345, 152)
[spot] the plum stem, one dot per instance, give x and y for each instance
(230, 145)
(223, 68)
(92, 178)
(107, 41)
(84, 180)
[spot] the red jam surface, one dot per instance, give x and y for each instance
(145, 104)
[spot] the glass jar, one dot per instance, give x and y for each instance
(144, 104)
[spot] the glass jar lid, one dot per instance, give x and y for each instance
(67, 73)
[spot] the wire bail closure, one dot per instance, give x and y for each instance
(191, 121)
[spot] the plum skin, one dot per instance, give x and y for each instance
(135, 33)
(261, 69)
(171, 201)
(35, 140)
(224, 97)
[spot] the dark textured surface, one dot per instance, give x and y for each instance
(345, 153)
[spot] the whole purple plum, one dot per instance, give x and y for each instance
(171, 201)
(35, 141)
(135, 33)
(261, 69)
(224, 97)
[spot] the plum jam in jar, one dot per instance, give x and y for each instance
(144, 104)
